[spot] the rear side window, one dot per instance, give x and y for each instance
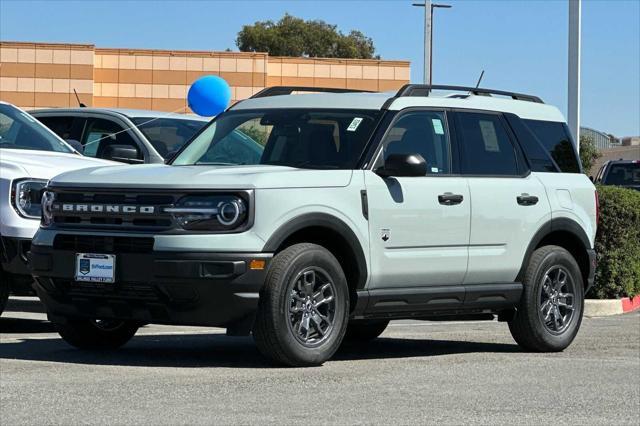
(536, 153)
(61, 126)
(554, 136)
(486, 146)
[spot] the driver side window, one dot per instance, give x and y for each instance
(424, 133)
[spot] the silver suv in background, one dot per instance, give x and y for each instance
(125, 135)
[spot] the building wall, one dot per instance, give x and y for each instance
(34, 75)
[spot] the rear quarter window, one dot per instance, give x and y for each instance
(555, 138)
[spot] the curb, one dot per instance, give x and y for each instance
(601, 308)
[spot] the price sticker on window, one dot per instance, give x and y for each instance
(438, 128)
(354, 124)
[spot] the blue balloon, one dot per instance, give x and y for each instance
(209, 95)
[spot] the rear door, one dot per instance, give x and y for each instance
(508, 203)
(418, 236)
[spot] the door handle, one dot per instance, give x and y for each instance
(527, 200)
(450, 199)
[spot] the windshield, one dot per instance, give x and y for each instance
(18, 130)
(167, 135)
(305, 138)
(623, 174)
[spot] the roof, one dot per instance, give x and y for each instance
(130, 113)
(359, 100)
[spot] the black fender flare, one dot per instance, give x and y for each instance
(553, 225)
(321, 220)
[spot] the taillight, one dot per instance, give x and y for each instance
(597, 208)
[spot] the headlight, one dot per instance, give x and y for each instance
(210, 212)
(26, 195)
(47, 202)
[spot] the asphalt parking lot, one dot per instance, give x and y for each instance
(417, 372)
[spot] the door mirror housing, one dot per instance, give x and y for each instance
(122, 153)
(403, 165)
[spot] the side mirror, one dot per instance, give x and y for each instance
(403, 165)
(75, 145)
(592, 179)
(122, 153)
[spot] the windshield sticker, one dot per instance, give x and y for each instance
(354, 124)
(489, 135)
(437, 126)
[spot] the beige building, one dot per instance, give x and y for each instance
(38, 75)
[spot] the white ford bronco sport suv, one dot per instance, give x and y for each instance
(362, 208)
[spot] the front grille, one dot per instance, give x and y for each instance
(101, 244)
(96, 215)
(129, 290)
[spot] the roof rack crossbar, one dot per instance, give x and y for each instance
(425, 89)
(287, 90)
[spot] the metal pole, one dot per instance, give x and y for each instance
(573, 89)
(428, 14)
(430, 44)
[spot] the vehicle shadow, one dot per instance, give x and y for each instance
(22, 325)
(218, 350)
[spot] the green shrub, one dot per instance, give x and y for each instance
(618, 243)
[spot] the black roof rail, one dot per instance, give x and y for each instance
(425, 89)
(287, 90)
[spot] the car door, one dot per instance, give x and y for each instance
(418, 226)
(106, 138)
(508, 203)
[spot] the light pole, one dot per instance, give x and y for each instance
(428, 36)
(573, 89)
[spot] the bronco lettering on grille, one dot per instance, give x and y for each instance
(103, 208)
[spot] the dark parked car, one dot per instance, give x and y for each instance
(125, 135)
(625, 173)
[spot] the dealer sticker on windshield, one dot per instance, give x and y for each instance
(99, 268)
(354, 124)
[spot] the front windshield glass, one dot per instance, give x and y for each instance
(167, 135)
(18, 130)
(305, 138)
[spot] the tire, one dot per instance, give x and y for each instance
(537, 326)
(90, 334)
(363, 332)
(4, 290)
(292, 289)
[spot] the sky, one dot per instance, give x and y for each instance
(520, 44)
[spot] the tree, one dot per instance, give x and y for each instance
(588, 153)
(292, 36)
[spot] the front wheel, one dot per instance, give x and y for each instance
(96, 334)
(303, 308)
(550, 310)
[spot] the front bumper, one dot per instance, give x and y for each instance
(209, 289)
(13, 258)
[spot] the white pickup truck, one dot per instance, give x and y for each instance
(30, 155)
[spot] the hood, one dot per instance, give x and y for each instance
(160, 176)
(44, 164)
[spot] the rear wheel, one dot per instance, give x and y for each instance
(364, 331)
(97, 334)
(303, 308)
(552, 302)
